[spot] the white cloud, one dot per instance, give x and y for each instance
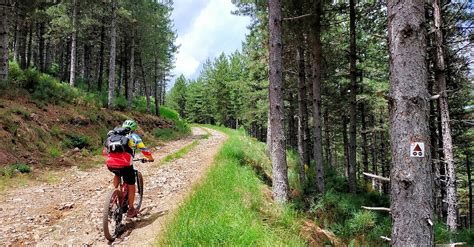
(213, 31)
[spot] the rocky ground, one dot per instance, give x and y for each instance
(69, 212)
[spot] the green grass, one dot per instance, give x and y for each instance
(180, 129)
(180, 153)
(230, 207)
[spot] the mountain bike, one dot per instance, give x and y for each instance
(116, 206)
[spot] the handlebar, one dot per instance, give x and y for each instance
(141, 160)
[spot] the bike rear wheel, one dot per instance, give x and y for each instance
(112, 216)
(139, 190)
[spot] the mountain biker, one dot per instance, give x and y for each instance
(121, 164)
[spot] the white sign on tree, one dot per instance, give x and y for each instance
(417, 149)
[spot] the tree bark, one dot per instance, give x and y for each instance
(101, 59)
(269, 126)
(292, 123)
(345, 142)
(23, 32)
(157, 89)
(4, 10)
(373, 151)
(29, 54)
(353, 100)
(411, 177)
(303, 130)
(113, 44)
(440, 78)
(132, 73)
(469, 184)
(41, 47)
(384, 165)
(72, 78)
(316, 72)
(327, 137)
(145, 86)
(280, 185)
(365, 148)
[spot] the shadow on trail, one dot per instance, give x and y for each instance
(144, 219)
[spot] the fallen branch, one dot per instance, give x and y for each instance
(452, 245)
(434, 97)
(296, 17)
(377, 177)
(377, 208)
(386, 238)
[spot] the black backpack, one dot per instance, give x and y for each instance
(117, 141)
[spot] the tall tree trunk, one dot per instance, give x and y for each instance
(411, 177)
(113, 44)
(157, 89)
(440, 78)
(303, 130)
(87, 65)
(22, 37)
(16, 36)
(436, 164)
(365, 148)
(145, 86)
(384, 165)
(353, 100)
(72, 78)
(48, 55)
(29, 54)
(327, 137)
(345, 142)
(469, 184)
(278, 152)
(316, 71)
(101, 58)
(132, 73)
(373, 151)
(4, 10)
(269, 126)
(66, 62)
(125, 69)
(292, 131)
(41, 46)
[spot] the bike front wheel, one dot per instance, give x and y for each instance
(139, 190)
(112, 216)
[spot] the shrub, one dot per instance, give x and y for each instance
(165, 134)
(55, 130)
(120, 103)
(54, 69)
(22, 112)
(23, 168)
(11, 170)
(76, 141)
(54, 152)
(362, 222)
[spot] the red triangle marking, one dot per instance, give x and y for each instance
(417, 148)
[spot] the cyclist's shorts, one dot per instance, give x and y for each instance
(128, 174)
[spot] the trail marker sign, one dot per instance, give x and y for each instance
(417, 149)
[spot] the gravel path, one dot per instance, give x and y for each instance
(69, 213)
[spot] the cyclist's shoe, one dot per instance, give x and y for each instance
(132, 212)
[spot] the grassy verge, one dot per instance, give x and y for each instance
(180, 153)
(233, 206)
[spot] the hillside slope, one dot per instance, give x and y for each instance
(48, 125)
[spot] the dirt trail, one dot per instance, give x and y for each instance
(70, 212)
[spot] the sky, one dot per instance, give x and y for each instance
(205, 28)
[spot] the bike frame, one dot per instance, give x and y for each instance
(123, 187)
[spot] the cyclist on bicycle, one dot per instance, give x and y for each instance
(121, 164)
